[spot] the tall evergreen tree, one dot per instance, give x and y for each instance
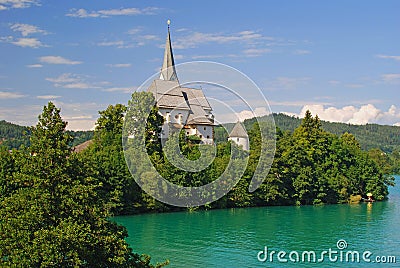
(53, 216)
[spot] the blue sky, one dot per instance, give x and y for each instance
(340, 59)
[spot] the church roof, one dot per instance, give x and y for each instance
(199, 95)
(169, 94)
(168, 71)
(238, 131)
(81, 147)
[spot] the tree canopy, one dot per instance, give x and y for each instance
(56, 204)
(51, 213)
(311, 166)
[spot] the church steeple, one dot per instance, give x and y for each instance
(168, 71)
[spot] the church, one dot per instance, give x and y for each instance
(182, 107)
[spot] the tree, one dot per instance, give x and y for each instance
(381, 159)
(53, 217)
(104, 159)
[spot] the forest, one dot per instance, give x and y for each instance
(56, 204)
(12, 136)
(311, 166)
(370, 136)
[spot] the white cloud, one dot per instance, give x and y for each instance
(193, 39)
(65, 78)
(120, 65)
(149, 37)
(256, 52)
(214, 56)
(135, 30)
(7, 4)
(389, 57)
(48, 97)
(6, 39)
(121, 89)
(28, 42)
(246, 114)
(10, 95)
(72, 81)
(120, 44)
(106, 13)
(366, 114)
(78, 124)
(111, 43)
(81, 13)
(34, 66)
(334, 82)
(81, 85)
(21, 114)
(301, 52)
(58, 60)
(27, 29)
(249, 38)
(80, 116)
(391, 78)
(136, 39)
(354, 115)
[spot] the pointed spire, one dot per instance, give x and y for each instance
(168, 71)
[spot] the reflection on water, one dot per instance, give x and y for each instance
(233, 237)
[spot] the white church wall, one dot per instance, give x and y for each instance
(174, 116)
(241, 141)
(205, 133)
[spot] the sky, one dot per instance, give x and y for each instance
(338, 59)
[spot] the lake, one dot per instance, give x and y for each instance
(357, 235)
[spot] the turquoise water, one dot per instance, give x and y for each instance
(234, 237)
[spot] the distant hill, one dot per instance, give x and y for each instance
(13, 136)
(370, 136)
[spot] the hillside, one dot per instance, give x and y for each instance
(370, 136)
(13, 136)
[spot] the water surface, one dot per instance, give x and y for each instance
(234, 237)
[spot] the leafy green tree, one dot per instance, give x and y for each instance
(141, 133)
(395, 161)
(53, 217)
(104, 159)
(7, 168)
(277, 187)
(382, 159)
